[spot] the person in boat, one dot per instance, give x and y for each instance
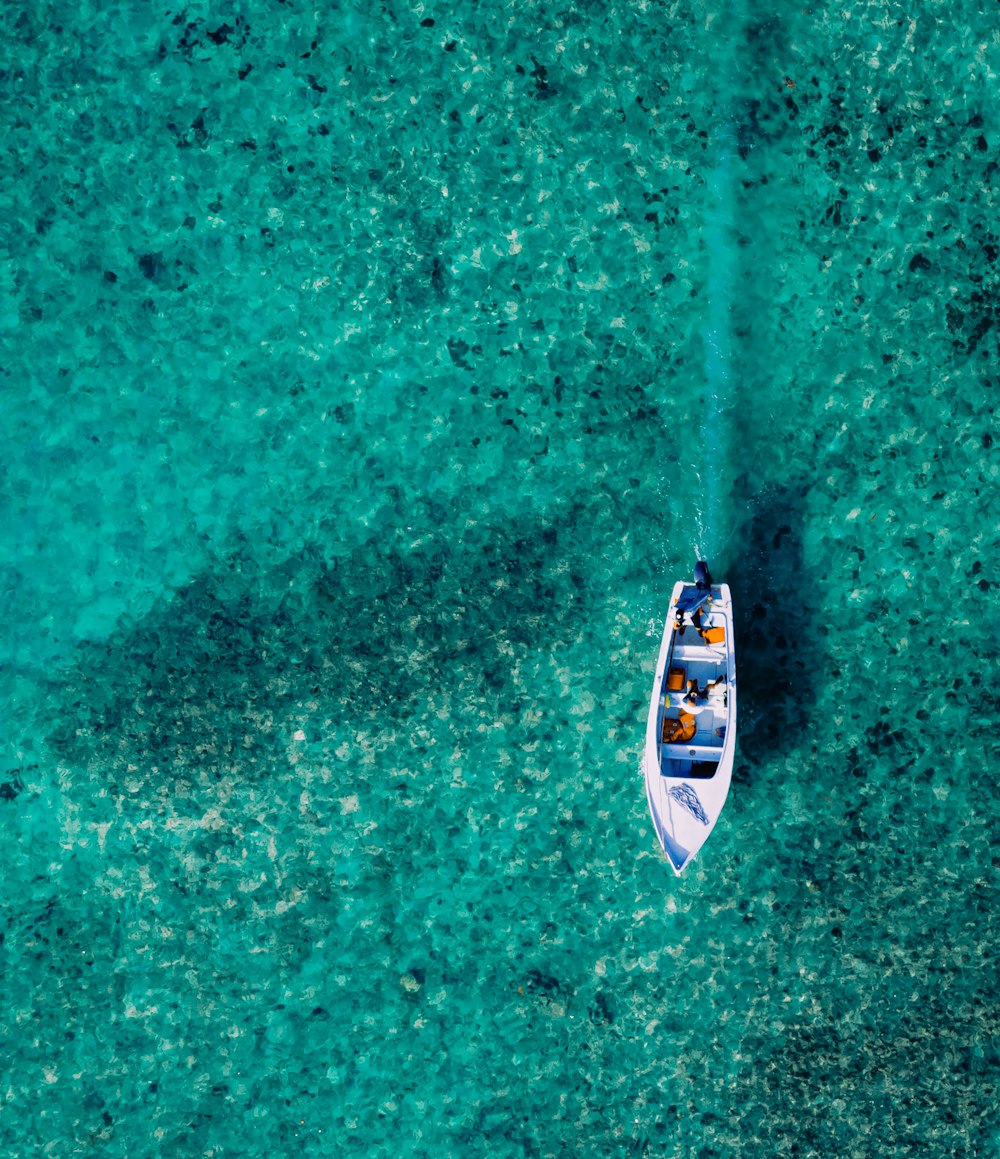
(693, 620)
(696, 697)
(679, 729)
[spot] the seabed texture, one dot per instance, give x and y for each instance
(370, 373)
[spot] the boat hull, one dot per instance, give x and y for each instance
(691, 736)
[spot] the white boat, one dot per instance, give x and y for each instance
(691, 732)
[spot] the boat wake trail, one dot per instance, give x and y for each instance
(720, 246)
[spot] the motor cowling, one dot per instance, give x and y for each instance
(702, 576)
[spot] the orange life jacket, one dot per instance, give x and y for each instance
(679, 730)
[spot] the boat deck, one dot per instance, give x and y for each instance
(692, 658)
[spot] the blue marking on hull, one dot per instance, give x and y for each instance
(684, 795)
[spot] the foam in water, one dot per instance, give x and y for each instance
(721, 277)
(719, 370)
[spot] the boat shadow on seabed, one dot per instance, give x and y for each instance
(773, 621)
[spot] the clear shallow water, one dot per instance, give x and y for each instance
(357, 377)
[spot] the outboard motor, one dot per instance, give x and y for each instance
(693, 601)
(702, 576)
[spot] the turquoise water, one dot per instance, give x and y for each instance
(370, 375)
